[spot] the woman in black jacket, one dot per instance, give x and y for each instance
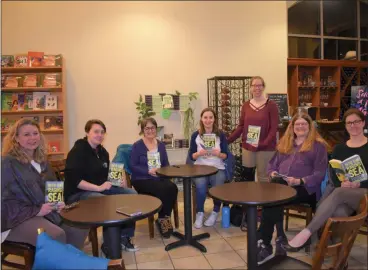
(86, 173)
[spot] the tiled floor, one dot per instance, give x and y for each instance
(226, 248)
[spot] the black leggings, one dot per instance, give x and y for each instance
(163, 189)
(274, 215)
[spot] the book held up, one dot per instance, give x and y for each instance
(153, 160)
(54, 191)
(351, 168)
(253, 134)
(116, 173)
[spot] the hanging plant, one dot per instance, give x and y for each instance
(143, 111)
(188, 122)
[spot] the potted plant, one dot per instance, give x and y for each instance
(143, 110)
(188, 122)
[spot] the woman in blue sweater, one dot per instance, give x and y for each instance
(149, 154)
(208, 146)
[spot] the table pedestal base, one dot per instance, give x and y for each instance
(113, 242)
(191, 242)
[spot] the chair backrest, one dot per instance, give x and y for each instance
(344, 230)
(123, 156)
(59, 168)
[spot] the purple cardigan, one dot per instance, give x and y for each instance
(311, 166)
(138, 160)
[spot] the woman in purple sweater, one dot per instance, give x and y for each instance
(260, 114)
(149, 154)
(300, 162)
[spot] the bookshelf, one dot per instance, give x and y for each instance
(56, 138)
(315, 83)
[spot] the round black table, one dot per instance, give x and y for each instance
(253, 194)
(187, 172)
(101, 211)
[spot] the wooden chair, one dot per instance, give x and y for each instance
(151, 219)
(24, 250)
(300, 208)
(27, 251)
(59, 168)
(345, 229)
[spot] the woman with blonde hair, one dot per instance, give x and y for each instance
(24, 172)
(300, 162)
(259, 119)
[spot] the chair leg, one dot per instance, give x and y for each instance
(308, 219)
(286, 220)
(151, 229)
(94, 241)
(176, 214)
(28, 260)
(194, 205)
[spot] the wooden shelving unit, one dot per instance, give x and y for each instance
(60, 135)
(315, 83)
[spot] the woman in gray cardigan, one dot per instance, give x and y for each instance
(24, 172)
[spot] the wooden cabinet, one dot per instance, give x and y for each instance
(56, 138)
(324, 85)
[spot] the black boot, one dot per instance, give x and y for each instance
(248, 174)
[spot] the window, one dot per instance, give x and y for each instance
(328, 29)
(340, 18)
(364, 19)
(335, 49)
(303, 18)
(364, 50)
(300, 47)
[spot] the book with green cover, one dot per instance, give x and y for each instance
(153, 160)
(253, 134)
(54, 191)
(116, 173)
(209, 141)
(351, 168)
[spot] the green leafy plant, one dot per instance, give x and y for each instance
(143, 110)
(188, 122)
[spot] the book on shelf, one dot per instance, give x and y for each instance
(7, 60)
(54, 191)
(6, 101)
(14, 106)
(35, 59)
(253, 134)
(21, 60)
(21, 100)
(51, 102)
(28, 102)
(50, 79)
(53, 122)
(13, 81)
(30, 80)
(6, 123)
(116, 173)
(153, 160)
(39, 100)
(351, 168)
(52, 60)
(53, 146)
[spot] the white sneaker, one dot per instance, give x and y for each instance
(199, 220)
(211, 220)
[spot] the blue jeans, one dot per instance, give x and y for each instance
(201, 184)
(127, 230)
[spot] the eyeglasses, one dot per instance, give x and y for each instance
(149, 129)
(257, 85)
(350, 123)
(301, 124)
